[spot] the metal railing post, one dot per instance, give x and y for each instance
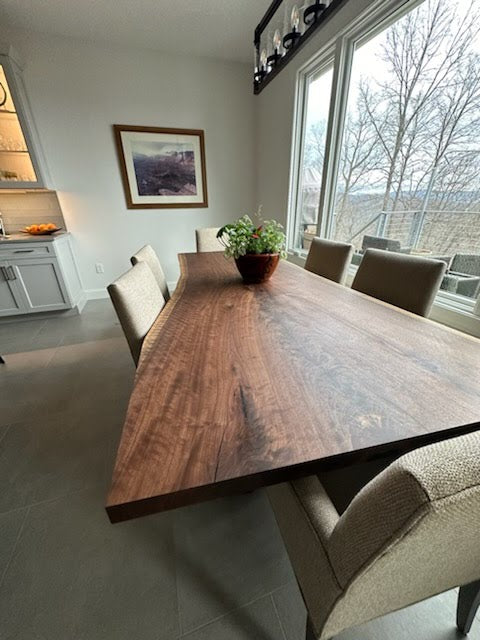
(382, 224)
(416, 228)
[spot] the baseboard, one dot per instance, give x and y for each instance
(95, 294)
(81, 302)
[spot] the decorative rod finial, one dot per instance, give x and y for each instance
(313, 12)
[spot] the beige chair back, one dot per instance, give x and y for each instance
(406, 281)
(148, 255)
(207, 240)
(410, 533)
(138, 300)
(329, 259)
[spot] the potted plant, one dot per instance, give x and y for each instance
(256, 249)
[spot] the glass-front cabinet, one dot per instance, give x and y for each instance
(21, 162)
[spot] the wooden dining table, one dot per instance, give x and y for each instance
(242, 386)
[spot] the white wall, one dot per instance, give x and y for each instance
(78, 90)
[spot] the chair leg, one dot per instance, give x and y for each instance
(310, 633)
(468, 603)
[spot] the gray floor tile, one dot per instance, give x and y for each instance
(10, 525)
(81, 329)
(18, 335)
(98, 308)
(75, 576)
(97, 321)
(291, 611)
(94, 356)
(257, 621)
(18, 344)
(95, 373)
(26, 362)
(228, 552)
(18, 398)
(52, 456)
(433, 619)
(76, 378)
(84, 335)
(3, 430)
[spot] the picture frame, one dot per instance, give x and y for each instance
(162, 168)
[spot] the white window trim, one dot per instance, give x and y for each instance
(456, 311)
(321, 62)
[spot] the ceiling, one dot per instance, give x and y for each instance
(221, 29)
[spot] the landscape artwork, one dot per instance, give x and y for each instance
(162, 168)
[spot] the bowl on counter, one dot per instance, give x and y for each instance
(41, 229)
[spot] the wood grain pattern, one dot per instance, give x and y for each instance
(241, 386)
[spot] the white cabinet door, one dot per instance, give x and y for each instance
(41, 283)
(11, 300)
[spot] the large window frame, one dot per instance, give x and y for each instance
(340, 52)
(322, 64)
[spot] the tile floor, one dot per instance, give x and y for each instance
(215, 571)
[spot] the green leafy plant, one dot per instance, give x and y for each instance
(244, 237)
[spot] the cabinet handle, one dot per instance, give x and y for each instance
(11, 273)
(5, 273)
(24, 251)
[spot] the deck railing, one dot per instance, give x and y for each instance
(432, 229)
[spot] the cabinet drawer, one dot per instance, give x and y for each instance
(26, 250)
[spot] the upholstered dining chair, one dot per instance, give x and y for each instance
(147, 254)
(329, 259)
(412, 532)
(409, 282)
(138, 300)
(207, 240)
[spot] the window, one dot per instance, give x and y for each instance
(319, 88)
(406, 174)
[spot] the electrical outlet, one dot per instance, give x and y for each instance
(99, 268)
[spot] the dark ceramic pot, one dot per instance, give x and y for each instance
(257, 267)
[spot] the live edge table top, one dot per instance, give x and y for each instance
(241, 386)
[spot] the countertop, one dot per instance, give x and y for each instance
(25, 237)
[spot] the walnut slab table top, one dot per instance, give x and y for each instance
(241, 386)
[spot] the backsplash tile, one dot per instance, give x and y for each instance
(20, 209)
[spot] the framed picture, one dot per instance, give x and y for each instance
(162, 168)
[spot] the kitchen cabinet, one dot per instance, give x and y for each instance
(11, 300)
(38, 276)
(22, 165)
